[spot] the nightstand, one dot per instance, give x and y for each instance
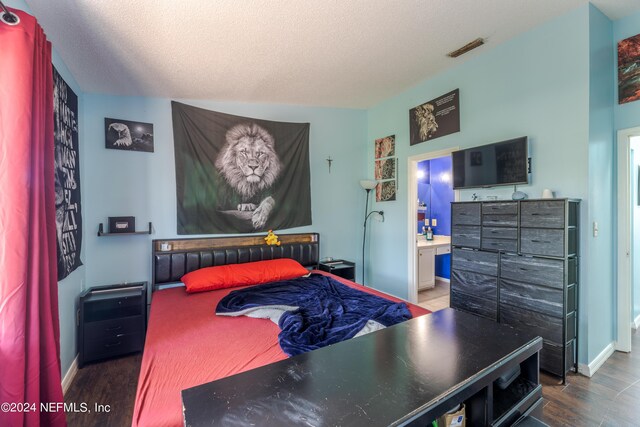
(340, 267)
(111, 321)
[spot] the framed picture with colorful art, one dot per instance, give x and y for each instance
(385, 147)
(386, 191)
(629, 69)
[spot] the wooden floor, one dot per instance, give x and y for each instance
(610, 398)
(110, 383)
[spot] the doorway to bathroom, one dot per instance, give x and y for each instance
(431, 189)
(628, 287)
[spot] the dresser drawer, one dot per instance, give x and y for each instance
(539, 271)
(551, 357)
(542, 214)
(500, 245)
(465, 214)
(532, 323)
(475, 261)
(500, 220)
(500, 239)
(540, 241)
(499, 233)
(114, 327)
(532, 297)
(112, 308)
(465, 235)
(475, 305)
(475, 284)
(112, 346)
(500, 208)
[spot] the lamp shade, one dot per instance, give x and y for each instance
(368, 184)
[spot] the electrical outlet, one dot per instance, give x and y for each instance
(434, 222)
(595, 229)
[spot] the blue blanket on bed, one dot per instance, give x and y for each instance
(313, 312)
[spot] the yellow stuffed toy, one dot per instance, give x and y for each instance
(272, 239)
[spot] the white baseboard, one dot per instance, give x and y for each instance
(442, 279)
(70, 375)
(636, 323)
(591, 368)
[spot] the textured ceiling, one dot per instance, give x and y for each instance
(331, 53)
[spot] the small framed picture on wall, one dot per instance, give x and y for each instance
(127, 135)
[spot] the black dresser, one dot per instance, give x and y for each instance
(516, 262)
(111, 321)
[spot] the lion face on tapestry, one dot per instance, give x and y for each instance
(250, 165)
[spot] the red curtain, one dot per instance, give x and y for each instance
(29, 325)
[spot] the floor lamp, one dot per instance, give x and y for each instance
(368, 185)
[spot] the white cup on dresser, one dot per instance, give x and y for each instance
(547, 194)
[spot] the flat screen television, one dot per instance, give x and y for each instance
(501, 163)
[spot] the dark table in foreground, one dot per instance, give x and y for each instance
(406, 374)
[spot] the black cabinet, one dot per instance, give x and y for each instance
(517, 262)
(111, 321)
(340, 267)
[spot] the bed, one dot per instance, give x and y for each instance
(187, 344)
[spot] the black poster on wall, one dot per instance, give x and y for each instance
(239, 174)
(67, 177)
(435, 118)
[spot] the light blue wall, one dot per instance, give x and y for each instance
(123, 183)
(71, 286)
(600, 250)
(626, 115)
(534, 85)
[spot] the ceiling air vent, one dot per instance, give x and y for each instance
(466, 48)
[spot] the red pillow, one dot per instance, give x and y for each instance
(250, 273)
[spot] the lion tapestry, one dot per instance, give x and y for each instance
(239, 175)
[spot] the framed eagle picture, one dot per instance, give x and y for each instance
(127, 135)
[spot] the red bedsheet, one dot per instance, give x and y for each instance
(188, 345)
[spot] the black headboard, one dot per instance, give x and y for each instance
(184, 255)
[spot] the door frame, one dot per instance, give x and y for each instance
(625, 248)
(412, 208)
